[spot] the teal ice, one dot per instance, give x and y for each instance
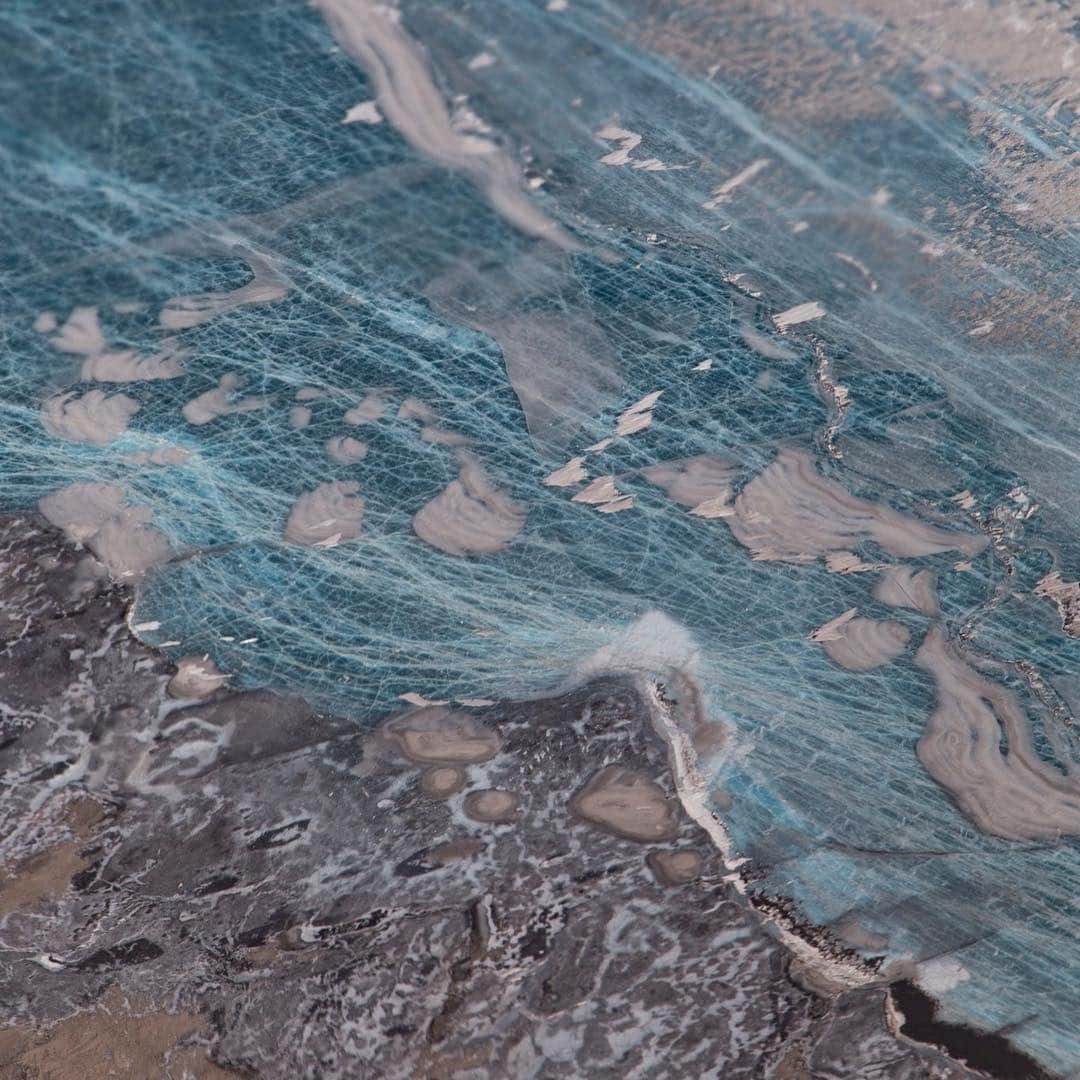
(481, 240)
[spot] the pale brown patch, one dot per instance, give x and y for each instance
(120, 1038)
(492, 805)
(455, 850)
(675, 867)
(442, 781)
(438, 736)
(43, 876)
(792, 1066)
(627, 804)
(47, 874)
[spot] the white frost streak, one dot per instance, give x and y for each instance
(799, 314)
(722, 194)
(409, 99)
(628, 142)
(367, 112)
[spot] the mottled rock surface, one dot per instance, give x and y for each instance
(276, 895)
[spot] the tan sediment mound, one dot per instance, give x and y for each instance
(470, 514)
(599, 491)
(208, 406)
(638, 416)
(440, 736)
(860, 644)
(900, 586)
(196, 677)
(324, 517)
(128, 365)
(94, 418)
(442, 781)
(47, 873)
(675, 867)
(1015, 795)
(345, 450)
(99, 517)
(791, 513)
(627, 804)
(121, 1038)
(573, 472)
(693, 481)
(492, 805)
(431, 429)
(371, 408)
(454, 851)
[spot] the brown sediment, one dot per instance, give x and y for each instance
(675, 867)
(454, 851)
(1012, 794)
(94, 418)
(99, 517)
(638, 416)
(470, 515)
(601, 490)
(693, 481)
(211, 404)
(371, 408)
(431, 429)
(792, 513)
(345, 450)
(902, 587)
(492, 805)
(442, 781)
(47, 874)
(409, 99)
(121, 1037)
(196, 677)
(860, 644)
(439, 736)
(573, 472)
(627, 804)
(325, 516)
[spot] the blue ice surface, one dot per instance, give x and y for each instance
(123, 123)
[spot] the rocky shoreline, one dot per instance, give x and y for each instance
(242, 887)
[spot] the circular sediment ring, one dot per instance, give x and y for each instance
(442, 781)
(675, 867)
(492, 806)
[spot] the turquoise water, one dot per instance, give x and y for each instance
(148, 150)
